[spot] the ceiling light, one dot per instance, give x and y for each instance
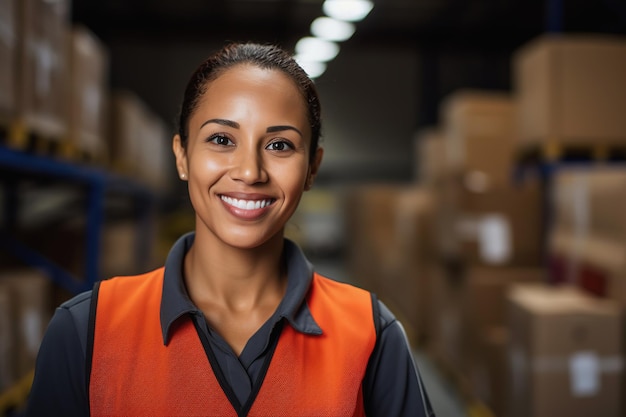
(315, 49)
(332, 29)
(313, 68)
(348, 10)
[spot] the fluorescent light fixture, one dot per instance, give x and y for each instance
(332, 29)
(348, 10)
(315, 49)
(313, 68)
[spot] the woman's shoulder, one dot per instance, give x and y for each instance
(78, 304)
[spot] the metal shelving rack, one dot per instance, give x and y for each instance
(16, 166)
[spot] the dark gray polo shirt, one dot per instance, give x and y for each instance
(391, 387)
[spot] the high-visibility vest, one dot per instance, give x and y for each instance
(134, 374)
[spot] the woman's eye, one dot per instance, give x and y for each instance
(279, 146)
(220, 140)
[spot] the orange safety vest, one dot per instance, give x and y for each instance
(134, 374)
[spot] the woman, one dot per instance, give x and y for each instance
(237, 322)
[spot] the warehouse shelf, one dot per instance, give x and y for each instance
(17, 166)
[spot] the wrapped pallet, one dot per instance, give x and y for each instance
(8, 58)
(88, 97)
(156, 163)
(42, 78)
(590, 199)
(127, 112)
(139, 142)
(587, 240)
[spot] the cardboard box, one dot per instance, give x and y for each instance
(485, 293)
(571, 89)
(500, 226)
(156, 164)
(566, 356)
(43, 67)
(470, 302)
(89, 87)
(484, 325)
(478, 129)
(590, 200)
(389, 231)
(139, 143)
(30, 290)
(127, 129)
(8, 57)
(430, 158)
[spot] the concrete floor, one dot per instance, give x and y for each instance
(443, 397)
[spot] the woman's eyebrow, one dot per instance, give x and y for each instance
(273, 129)
(223, 122)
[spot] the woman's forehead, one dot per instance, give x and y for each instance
(244, 88)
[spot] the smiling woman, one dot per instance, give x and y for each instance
(237, 322)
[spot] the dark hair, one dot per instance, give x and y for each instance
(263, 56)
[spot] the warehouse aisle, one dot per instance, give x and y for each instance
(444, 399)
(443, 396)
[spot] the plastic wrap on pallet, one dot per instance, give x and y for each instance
(43, 63)
(8, 42)
(139, 142)
(89, 69)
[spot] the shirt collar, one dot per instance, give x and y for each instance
(175, 301)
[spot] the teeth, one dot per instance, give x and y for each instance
(246, 204)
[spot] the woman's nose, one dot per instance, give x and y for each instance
(249, 166)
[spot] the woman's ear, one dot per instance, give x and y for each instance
(180, 154)
(314, 168)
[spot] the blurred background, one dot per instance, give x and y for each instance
(473, 175)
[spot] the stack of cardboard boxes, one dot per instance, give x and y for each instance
(55, 102)
(567, 350)
(88, 98)
(139, 142)
(389, 232)
(41, 67)
(55, 94)
(479, 262)
(489, 236)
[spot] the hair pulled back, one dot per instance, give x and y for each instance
(262, 56)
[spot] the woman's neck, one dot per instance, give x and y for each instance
(235, 278)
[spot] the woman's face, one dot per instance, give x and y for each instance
(247, 157)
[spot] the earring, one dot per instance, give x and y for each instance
(183, 176)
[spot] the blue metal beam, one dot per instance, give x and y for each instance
(98, 183)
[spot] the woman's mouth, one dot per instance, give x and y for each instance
(244, 204)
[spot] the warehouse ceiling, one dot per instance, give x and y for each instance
(419, 22)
